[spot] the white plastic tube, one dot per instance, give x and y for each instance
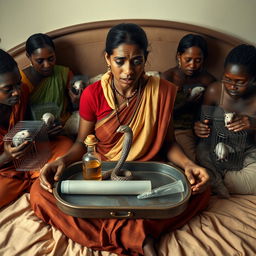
(109, 187)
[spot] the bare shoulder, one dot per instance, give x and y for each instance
(207, 78)
(212, 93)
(169, 74)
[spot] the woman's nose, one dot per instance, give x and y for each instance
(46, 64)
(234, 86)
(192, 64)
(15, 91)
(128, 68)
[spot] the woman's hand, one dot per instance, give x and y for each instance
(240, 123)
(18, 152)
(202, 129)
(197, 176)
(50, 173)
(54, 130)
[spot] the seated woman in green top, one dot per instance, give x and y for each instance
(191, 79)
(49, 84)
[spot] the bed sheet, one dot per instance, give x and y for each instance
(226, 227)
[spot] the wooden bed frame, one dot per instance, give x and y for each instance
(81, 47)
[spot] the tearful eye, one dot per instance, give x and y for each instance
(137, 62)
(188, 60)
(119, 62)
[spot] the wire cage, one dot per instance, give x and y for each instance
(39, 151)
(207, 113)
(226, 147)
(37, 111)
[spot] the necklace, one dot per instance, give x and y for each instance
(127, 99)
(127, 103)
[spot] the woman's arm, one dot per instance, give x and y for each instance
(196, 175)
(211, 98)
(78, 149)
(52, 171)
(212, 94)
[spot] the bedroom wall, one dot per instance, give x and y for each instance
(19, 19)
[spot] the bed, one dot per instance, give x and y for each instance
(226, 227)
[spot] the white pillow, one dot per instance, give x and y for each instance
(95, 78)
(153, 73)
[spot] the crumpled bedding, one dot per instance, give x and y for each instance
(226, 227)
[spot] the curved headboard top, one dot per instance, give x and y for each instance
(81, 47)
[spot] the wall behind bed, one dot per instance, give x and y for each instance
(80, 47)
(19, 19)
(79, 28)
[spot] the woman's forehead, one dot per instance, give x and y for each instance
(236, 69)
(194, 50)
(9, 78)
(127, 49)
(44, 51)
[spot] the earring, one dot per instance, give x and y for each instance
(179, 64)
(109, 70)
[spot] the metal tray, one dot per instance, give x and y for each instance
(126, 206)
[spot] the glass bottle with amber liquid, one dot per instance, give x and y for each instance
(91, 160)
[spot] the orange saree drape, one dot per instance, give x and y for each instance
(13, 183)
(148, 118)
(124, 236)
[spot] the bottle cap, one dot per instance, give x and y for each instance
(90, 140)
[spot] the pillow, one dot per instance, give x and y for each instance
(95, 78)
(153, 73)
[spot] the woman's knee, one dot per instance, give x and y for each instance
(241, 182)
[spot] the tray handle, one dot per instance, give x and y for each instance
(121, 214)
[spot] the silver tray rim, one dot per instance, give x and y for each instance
(88, 207)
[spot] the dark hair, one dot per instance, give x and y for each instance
(244, 55)
(7, 62)
(126, 33)
(37, 41)
(192, 40)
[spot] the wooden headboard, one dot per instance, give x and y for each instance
(81, 47)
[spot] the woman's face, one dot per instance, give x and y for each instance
(127, 65)
(10, 84)
(43, 61)
(191, 61)
(236, 80)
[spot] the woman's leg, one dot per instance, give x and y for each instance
(243, 181)
(13, 184)
(125, 236)
(216, 180)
